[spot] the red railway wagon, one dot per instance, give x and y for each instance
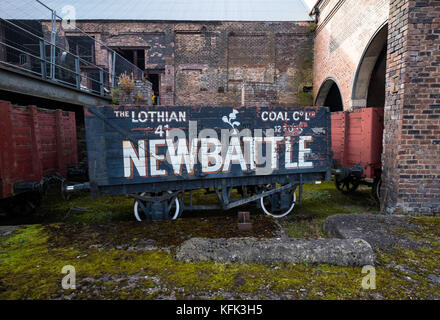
(35, 144)
(357, 148)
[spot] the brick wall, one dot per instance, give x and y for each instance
(411, 159)
(141, 94)
(411, 155)
(344, 30)
(205, 63)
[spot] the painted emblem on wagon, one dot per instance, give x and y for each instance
(229, 120)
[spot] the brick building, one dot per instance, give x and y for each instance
(205, 53)
(214, 63)
(359, 53)
(386, 53)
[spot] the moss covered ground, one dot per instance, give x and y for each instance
(323, 200)
(118, 258)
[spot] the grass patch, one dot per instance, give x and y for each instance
(97, 243)
(83, 208)
(31, 269)
(321, 201)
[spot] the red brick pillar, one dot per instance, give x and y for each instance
(411, 157)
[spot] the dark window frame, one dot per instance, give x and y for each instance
(74, 47)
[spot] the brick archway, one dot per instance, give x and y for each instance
(349, 40)
(329, 95)
(362, 80)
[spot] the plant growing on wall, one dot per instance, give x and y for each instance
(115, 96)
(304, 76)
(126, 82)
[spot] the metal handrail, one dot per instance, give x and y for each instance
(97, 41)
(46, 61)
(50, 43)
(18, 67)
(49, 63)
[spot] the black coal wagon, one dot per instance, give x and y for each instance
(159, 154)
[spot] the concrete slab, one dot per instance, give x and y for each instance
(380, 231)
(7, 230)
(352, 252)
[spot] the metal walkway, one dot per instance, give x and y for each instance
(53, 59)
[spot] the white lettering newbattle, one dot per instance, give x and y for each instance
(180, 153)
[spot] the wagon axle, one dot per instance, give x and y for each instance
(347, 180)
(276, 202)
(160, 206)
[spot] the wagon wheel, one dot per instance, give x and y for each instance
(25, 204)
(377, 184)
(348, 185)
(273, 205)
(174, 206)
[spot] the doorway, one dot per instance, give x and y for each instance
(154, 77)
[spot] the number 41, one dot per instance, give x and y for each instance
(160, 130)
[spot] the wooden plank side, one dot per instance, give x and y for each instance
(21, 127)
(338, 128)
(28, 145)
(354, 139)
(37, 167)
(6, 149)
(62, 169)
(105, 136)
(363, 139)
(367, 156)
(23, 130)
(95, 143)
(70, 135)
(23, 140)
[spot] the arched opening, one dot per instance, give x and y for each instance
(369, 91)
(376, 88)
(329, 95)
(369, 83)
